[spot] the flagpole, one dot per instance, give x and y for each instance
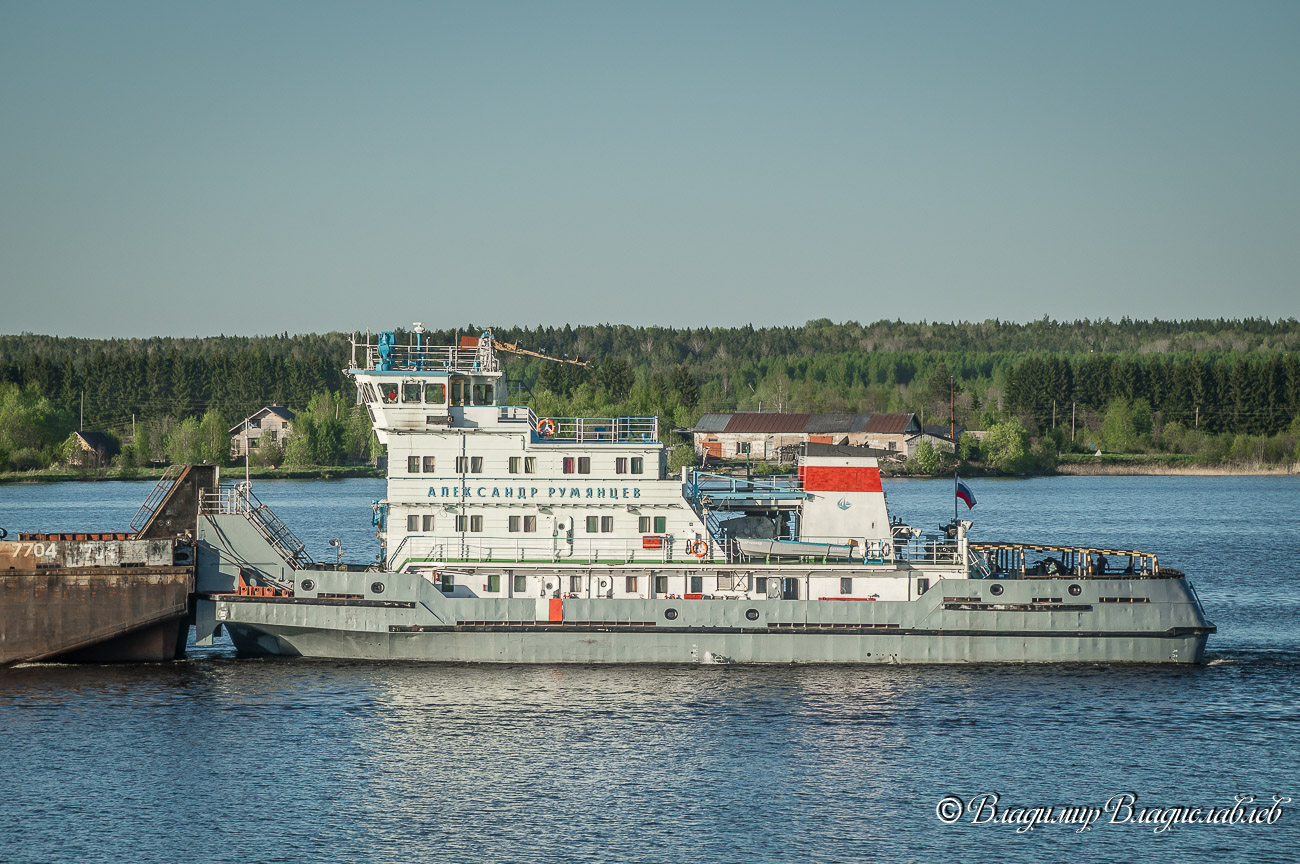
(954, 496)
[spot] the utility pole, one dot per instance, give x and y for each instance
(82, 424)
(952, 417)
(1198, 417)
(1053, 413)
(1072, 407)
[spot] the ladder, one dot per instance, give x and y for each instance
(160, 490)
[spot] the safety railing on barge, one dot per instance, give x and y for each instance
(1014, 560)
(238, 499)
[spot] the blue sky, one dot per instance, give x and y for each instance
(194, 168)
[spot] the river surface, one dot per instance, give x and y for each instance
(221, 759)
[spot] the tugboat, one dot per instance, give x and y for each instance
(509, 537)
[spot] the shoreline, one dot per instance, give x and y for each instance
(343, 472)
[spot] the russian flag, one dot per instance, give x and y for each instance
(964, 493)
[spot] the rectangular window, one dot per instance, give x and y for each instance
(760, 584)
(661, 584)
(412, 464)
(476, 523)
(638, 465)
(606, 524)
(478, 395)
(584, 464)
(458, 389)
(643, 525)
(697, 585)
(661, 524)
(575, 584)
(922, 585)
(411, 392)
(516, 464)
(462, 464)
(515, 523)
(270, 434)
(530, 464)
(448, 583)
(462, 523)
(476, 464)
(846, 584)
(429, 462)
(488, 395)
(530, 524)
(569, 462)
(427, 522)
(629, 584)
(593, 524)
(435, 394)
(620, 465)
(742, 447)
(521, 583)
(493, 583)
(412, 523)
(389, 393)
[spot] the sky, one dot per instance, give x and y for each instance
(182, 168)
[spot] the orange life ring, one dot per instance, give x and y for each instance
(546, 428)
(701, 549)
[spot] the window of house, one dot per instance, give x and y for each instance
(530, 524)
(270, 434)
(426, 522)
(569, 463)
(530, 464)
(476, 523)
(638, 465)
(462, 464)
(516, 523)
(643, 525)
(521, 583)
(661, 584)
(593, 524)
(606, 524)
(697, 585)
(476, 464)
(742, 447)
(584, 464)
(493, 583)
(661, 524)
(893, 445)
(516, 464)
(411, 392)
(846, 584)
(620, 465)
(412, 464)
(629, 584)
(252, 443)
(435, 394)
(412, 522)
(575, 584)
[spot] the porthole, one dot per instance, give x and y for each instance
(995, 590)
(1075, 590)
(670, 614)
(308, 585)
(751, 614)
(376, 587)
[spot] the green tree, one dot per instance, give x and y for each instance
(682, 456)
(925, 460)
(1006, 448)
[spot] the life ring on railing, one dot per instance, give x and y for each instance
(546, 428)
(700, 548)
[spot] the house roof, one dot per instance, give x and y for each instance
(942, 431)
(815, 449)
(766, 423)
(843, 423)
(712, 423)
(892, 424)
(99, 442)
(278, 410)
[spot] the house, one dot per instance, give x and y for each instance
(770, 436)
(93, 449)
(273, 424)
(941, 437)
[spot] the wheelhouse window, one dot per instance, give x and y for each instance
(435, 394)
(389, 392)
(459, 391)
(638, 465)
(411, 392)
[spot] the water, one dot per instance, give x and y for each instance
(220, 759)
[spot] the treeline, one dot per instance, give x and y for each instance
(1203, 380)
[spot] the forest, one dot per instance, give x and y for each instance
(1214, 390)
